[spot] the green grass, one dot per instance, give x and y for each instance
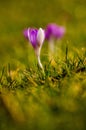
(29, 98)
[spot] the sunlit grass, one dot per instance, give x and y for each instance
(40, 98)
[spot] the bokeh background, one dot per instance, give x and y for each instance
(44, 108)
(17, 15)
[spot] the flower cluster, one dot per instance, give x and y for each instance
(37, 36)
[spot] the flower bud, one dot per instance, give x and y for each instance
(40, 36)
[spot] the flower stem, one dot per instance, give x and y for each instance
(51, 48)
(37, 51)
(51, 45)
(39, 62)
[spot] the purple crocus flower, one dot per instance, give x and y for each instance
(36, 38)
(31, 35)
(54, 31)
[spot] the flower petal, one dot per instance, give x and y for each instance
(40, 36)
(32, 35)
(55, 31)
(25, 33)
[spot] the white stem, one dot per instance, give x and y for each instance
(39, 62)
(37, 51)
(51, 49)
(51, 45)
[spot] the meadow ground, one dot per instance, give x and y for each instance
(29, 98)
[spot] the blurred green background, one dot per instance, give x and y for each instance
(17, 15)
(45, 107)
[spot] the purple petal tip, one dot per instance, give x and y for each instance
(25, 33)
(55, 31)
